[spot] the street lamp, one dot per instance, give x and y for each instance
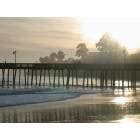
(15, 53)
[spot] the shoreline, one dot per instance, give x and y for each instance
(84, 108)
(81, 99)
(48, 96)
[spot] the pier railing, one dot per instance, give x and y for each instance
(89, 75)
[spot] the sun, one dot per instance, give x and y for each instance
(127, 32)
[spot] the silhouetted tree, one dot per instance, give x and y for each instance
(41, 60)
(60, 56)
(112, 48)
(82, 50)
(125, 54)
(69, 60)
(108, 44)
(53, 57)
(45, 59)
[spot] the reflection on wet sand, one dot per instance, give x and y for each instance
(78, 113)
(120, 100)
(85, 108)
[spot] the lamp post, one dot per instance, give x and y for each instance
(15, 53)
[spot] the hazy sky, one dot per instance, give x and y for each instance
(35, 37)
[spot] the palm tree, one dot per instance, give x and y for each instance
(60, 56)
(81, 50)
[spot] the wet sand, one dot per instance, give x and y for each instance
(84, 108)
(80, 100)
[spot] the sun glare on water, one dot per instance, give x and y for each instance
(120, 100)
(126, 119)
(127, 32)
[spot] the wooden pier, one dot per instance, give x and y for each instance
(86, 75)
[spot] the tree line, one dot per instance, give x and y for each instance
(108, 49)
